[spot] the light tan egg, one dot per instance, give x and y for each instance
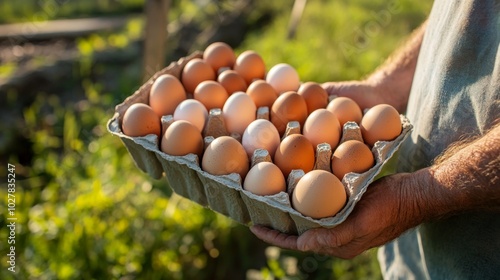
(219, 54)
(322, 127)
(250, 66)
(283, 77)
(345, 109)
(380, 123)
(141, 120)
(225, 155)
(182, 138)
(232, 81)
(294, 152)
(166, 93)
(265, 178)
(352, 156)
(289, 106)
(262, 93)
(319, 194)
(315, 96)
(193, 111)
(194, 72)
(211, 94)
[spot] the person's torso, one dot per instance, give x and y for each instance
(455, 95)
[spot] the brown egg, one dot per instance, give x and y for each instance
(232, 81)
(141, 120)
(294, 152)
(380, 123)
(211, 94)
(322, 127)
(225, 155)
(250, 65)
(265, 178)
(219, 54)
(345, 109)
(319, 194)
(289, 106)
(182, 138)
(316, 97)
(195, 72)
(166, 93)
(351, 156)
(262, 93)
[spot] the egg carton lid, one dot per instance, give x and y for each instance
(225, 194)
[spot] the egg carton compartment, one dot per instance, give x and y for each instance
(225, 194)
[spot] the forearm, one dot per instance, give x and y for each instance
(467, 178)
(393, 79)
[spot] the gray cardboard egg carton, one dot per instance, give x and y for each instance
(225, 194)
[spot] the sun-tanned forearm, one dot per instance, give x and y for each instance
(394, 77)
(466, 178)
(390, 83)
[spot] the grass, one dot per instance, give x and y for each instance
(84, 211)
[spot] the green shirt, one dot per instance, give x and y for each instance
(455, 94)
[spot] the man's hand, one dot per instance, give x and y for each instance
(365, 94)
(383, 214)
(466, 178)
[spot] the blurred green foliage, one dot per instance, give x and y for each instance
(83, 209)
(42, 10)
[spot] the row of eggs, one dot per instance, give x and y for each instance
(288, 100)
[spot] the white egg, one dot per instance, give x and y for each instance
(260, 134)
(283, 77)
(238, 112)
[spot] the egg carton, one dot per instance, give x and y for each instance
(224, 194)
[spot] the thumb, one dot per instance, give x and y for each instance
(345, 88)
(359, 91)
(333, 88)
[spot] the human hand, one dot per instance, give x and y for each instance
(385, 212)
(364, 93)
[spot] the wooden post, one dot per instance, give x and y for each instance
(297, 10)
(155, 36)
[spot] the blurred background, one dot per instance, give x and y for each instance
(84, 211)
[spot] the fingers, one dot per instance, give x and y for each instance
(333, 88)
(275, 237)
(324, 240)
(334, 242)
(359, 91)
